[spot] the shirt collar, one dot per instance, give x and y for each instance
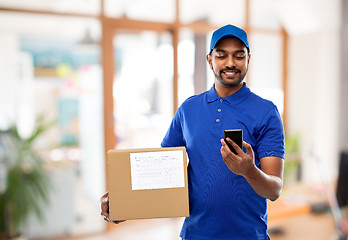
(235, 98)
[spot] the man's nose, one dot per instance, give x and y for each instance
(230, 61)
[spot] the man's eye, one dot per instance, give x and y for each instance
(240, 57)
(220, 56)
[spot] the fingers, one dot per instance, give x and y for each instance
(224, 144)
(225, 149)
(107, 219)
(114, 222)
(104, 205)
(246, 145)
(233, 144)
(104, 211)
(248, 148)
(105, 195)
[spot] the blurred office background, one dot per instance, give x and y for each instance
(111, 73)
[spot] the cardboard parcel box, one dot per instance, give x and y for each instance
(147, 183)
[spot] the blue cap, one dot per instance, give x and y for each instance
(229, 31)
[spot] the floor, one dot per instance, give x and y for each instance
(89, 226)
(151, 229)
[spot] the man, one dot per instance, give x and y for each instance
(228, 192)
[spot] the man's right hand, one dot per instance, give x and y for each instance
(104, 206)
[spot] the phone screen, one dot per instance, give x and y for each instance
(236, 135)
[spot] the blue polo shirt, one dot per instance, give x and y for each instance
(223, 206)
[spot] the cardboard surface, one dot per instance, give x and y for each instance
(126, 204)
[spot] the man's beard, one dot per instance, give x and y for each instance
(227, 84)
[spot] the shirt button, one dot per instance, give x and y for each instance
(221, 100)
(219, 110)
(217, 120)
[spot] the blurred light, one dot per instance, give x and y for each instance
(73, 154)
(56, 155)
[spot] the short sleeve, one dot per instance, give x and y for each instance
(174, 135)
(270, 141)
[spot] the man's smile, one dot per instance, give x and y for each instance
(230, 73)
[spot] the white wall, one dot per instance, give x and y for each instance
(344, 78)
(313, 90)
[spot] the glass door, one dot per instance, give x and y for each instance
(142, 87)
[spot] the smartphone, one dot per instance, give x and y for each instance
(236, 135)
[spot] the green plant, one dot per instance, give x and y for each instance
(292, 158)
(27, 183)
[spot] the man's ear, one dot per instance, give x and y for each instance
(209, 60)
(249, 56)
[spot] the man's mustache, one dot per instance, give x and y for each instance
(231, 69)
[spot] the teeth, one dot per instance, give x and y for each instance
(230, 73)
